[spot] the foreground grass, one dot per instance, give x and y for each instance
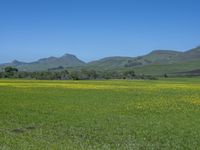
(100, 114)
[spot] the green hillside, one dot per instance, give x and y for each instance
(155, 57)
(110, 62)
(44, 64)
(168, 68)
(156, 62)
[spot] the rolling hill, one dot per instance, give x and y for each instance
(66, 60)
(155, 57)
(157, 62)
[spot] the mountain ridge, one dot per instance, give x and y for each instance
(67, 60)
(155, 58)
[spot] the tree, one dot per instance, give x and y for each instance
(74, 75)
(1, 75)
(165, 75)
(92, 74)
(10, 71)
(64, 75)
(89, 74)
(129, 74)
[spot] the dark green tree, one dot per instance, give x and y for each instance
(10, 71)
(74, 75)
(130, 74)
(165, 75)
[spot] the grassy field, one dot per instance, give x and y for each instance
(86, 115)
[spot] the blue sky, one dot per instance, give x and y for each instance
(92, 29)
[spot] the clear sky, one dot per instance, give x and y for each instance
(92, 29)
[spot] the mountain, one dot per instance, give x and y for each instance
(187, 61)
(155, 57)
(157, 62)
(192, 54)
(66, 60)
(173, 69)
(109, 62)
(14, 63)
(162, 56)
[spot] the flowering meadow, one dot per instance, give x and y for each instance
(113, 114)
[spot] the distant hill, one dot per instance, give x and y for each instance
(14, 63)
(174, 68)
(157, 62)
(110, 62)
(155, 57)
(193, 54)
(66, 60)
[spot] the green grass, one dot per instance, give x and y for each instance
(168, 68)
(104, 115)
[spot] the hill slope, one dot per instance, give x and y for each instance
(66, 60)
(156, 62)
(109, 62)
(155, 57)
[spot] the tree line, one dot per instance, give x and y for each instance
(83, 74)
